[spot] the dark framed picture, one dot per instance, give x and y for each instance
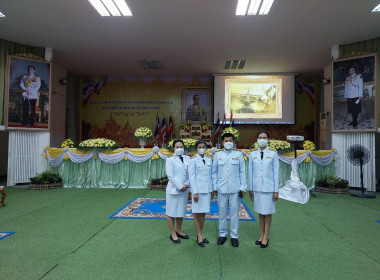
(28, 88)
(196, 104)
(354, 82)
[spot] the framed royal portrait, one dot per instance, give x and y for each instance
(27, 95)
(196, 104)
(354, 86)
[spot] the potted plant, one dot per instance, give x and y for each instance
(143, 134)
(159, 183)
(45, 181)
(332, 184)
(68, 143)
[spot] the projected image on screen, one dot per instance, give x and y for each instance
(255, 99)
(258, 100)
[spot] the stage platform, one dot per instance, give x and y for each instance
(134, 168)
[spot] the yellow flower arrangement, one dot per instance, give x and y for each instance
(206, 125)
(143, 133)
(186, 126)
(189, 143)
(308, 145)
(68, 143)
(233, 131)
(276, 145)
(98, 144)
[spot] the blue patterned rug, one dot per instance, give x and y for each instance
(4, 234)
(154, 208)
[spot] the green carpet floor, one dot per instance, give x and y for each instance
(65, 234)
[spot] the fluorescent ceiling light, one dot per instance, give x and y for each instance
(241, 8)
(1, 14)
(110, 5)
(254, 7)
(123, 7)
(376, 9)
(265, 7)
(98, 5)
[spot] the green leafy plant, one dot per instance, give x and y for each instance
(159, 181)
(46, 177)
(332, 182)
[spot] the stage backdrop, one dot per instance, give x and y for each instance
(113, 107)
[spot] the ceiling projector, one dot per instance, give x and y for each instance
(294, 138)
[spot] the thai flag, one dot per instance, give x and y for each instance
(231, 119)
(307, 88)
(157, 129)
(171, 127)
(224, 121)
(88, 90)
(163, 130)
(218, 129)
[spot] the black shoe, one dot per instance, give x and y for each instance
(201, 244)
(221, 240)
(258, 242)
(205, 241)
(185, 236)
(235, 242)
(175, 241)
(264, 245)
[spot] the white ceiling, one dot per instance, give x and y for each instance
(189, 37)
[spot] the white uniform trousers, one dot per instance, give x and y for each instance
(233, 201)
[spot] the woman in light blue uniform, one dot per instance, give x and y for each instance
(177, 191)
(200, 168)
(263, 177)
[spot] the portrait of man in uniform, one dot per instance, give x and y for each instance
(354, 94)
(28, 96)
(196, 105)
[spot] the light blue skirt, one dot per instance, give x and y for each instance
(263, 203)
(176, 205)
(203, 204)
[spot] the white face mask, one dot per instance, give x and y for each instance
(179, 151)
(262, 142)
(201, 151)
(228, 145)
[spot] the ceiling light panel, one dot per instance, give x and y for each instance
(1, 14)
(265, 7)
(111, 7)
(376, 9)
(123, 7)
(254, 7)
(242, 7)
(99, 7)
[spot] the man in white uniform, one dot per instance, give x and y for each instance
(229, 180)
(353, 91)
(30, 85)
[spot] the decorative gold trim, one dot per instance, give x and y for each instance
(30, 56)
(355, 53)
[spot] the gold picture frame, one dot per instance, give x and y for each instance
(354, 98)
(27, 94)
(196, 104)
